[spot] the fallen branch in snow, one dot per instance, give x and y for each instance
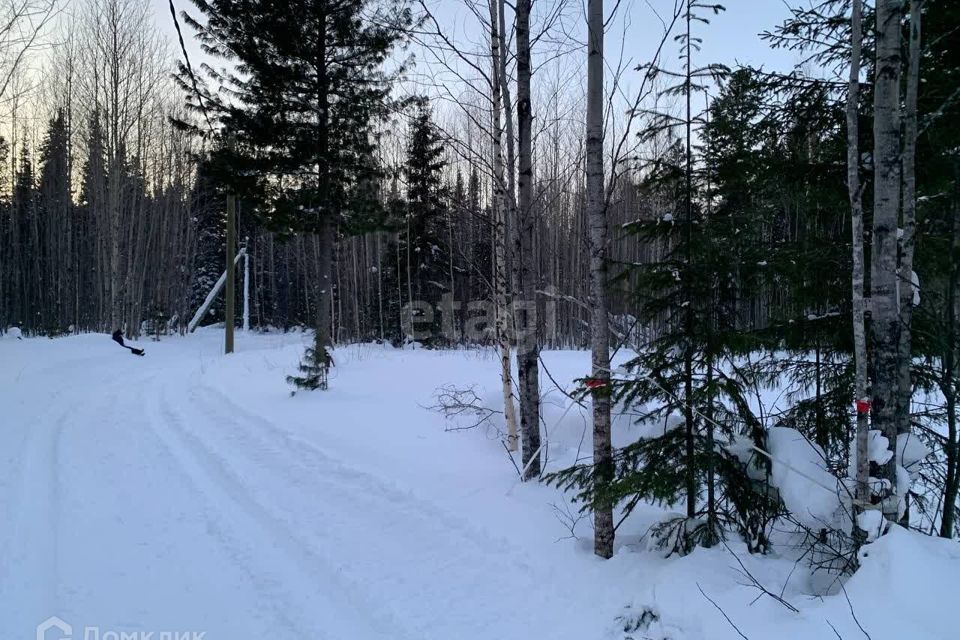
(453, 403)
(722, 612)
(831, 550)
(753, 582)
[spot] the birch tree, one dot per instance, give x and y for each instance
(23, 28)
(599, 326)
(499, 235)
(528, 350)
(909, 194)
(854, 188)
(883, 268)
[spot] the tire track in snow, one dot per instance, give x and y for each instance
(32, 552)
(158, 525)
(316, 583)
(392, 541)
(219, 525)
(315, 460)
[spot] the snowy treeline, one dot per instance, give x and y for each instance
(109, 219)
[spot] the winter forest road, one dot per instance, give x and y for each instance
(138, 496)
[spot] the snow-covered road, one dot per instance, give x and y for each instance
(143, 498)
(188, 492)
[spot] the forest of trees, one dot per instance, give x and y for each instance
(731, 226)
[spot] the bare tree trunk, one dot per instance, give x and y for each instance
(246, 286)
(905, 384)
(116, 303)
(690, 439)
(599, 324)
(324, 336)
(500, 241)
(454, 326)
(409, 280)
(855, 192)
(949, 380)
(380, 285)
(512, 230)
(883, 268)
(528, 349)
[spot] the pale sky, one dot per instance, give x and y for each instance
(731, 37)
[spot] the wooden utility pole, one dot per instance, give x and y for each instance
(231, 271)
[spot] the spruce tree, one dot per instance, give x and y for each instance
(424, 246)
(56, 206)
(752, 255)
(681, 381)
(24, 215)
(92, 203)
(297, 115)
(206, 202)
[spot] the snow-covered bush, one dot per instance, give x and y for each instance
(812, 495)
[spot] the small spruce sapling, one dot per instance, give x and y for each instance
(314, 369)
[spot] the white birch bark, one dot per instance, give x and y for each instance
(599, 327)
(854, 188)
(500, 241)
(883, 268)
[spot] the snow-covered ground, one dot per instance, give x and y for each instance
(187, 491)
